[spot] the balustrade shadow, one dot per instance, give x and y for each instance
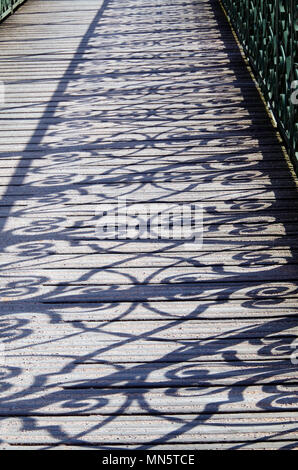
(142, 311)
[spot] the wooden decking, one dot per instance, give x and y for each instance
(141, 343)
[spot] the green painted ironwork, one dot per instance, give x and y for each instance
(7, 7)
(268, 32)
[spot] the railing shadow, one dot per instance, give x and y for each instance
(195, 331)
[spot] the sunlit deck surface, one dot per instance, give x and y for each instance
(142, 344)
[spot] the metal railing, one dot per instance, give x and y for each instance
(7, 7)
(268, 32)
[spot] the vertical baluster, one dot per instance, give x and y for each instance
(268, 32)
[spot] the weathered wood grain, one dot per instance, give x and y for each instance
(130, 343)
(48, 372)
(101, 401)
(263, 445)
(87, 257)
(82, 273)
(31, 309)
(163, 329)
(20, 287)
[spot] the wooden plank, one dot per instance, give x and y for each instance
(49, 372)
(126, 343)
(264, 445)
(114, 157)
(87, 334)
(130, 352)
(89, 273)
(35, 287)
(68, 245)
(96, 194)
(194, 122)
(89, 258)
(28, 309)
(176, 429)
(100, 402)
(86, 165)
(129, 177)
(87, 178)
(115, 215)
(275, 210)
(88, 230)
